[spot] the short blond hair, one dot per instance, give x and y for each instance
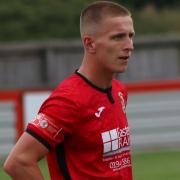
(93, 14)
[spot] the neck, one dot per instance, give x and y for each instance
(97, 75)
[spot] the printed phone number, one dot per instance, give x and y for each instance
(119, 164)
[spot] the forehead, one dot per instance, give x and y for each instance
(117, 24)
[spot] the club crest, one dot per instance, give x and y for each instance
(120, 94)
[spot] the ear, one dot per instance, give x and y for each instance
(89, 44)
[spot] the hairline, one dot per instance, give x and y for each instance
(106, 12)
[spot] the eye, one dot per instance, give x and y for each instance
(118, 36)
(131, 35)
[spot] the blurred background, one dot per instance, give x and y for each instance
(40, 45)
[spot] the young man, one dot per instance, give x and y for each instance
(82, 127)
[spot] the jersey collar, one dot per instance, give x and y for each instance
(107, 90)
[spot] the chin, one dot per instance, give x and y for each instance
(121, 70)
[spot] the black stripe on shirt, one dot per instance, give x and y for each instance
(39, 138)
(60, 153)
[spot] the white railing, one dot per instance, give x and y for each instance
(7, 127)
(154, 118)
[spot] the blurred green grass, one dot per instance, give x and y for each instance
(164, 165)
(153, 22)
(43, 20)
(157, 166)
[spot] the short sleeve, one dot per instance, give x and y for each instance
(57, 119)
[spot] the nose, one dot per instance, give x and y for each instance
(129, 44)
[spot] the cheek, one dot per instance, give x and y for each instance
(109, 52)
(106, 52)
(114, 49)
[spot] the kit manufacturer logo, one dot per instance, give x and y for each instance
(100, 110)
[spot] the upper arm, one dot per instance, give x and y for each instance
(27, 150)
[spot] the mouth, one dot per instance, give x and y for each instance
(124, 58)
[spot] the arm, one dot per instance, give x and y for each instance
(22, 162)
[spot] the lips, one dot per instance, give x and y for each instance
(124, 58)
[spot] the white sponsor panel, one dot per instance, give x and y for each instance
(116, 141)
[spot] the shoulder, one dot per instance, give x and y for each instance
(120, 89)
(119, 85)
(67, 92)
(70, 87)
(62, 105)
